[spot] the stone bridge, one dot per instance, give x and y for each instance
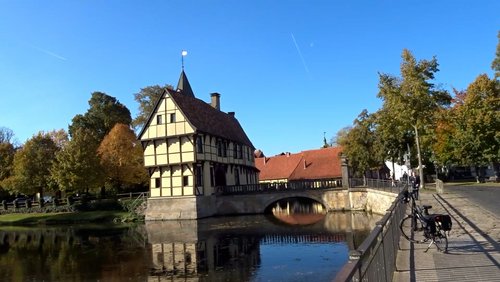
(335, 199)
(375, 196)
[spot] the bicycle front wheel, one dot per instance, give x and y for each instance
(441, 241)
(412, 230)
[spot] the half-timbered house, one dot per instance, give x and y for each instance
(191, 147)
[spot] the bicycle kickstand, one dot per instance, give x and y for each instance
(429, 246)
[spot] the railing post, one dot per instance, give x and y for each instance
(345, 171)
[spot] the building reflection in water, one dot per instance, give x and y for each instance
(240, 248)
(299, 211)
(228, 249)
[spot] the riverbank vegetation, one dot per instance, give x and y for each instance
(423, 126)
(62, 218)
(98, 155)
(96, 211)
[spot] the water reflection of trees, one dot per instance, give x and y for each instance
(71, 254)
(227, 249)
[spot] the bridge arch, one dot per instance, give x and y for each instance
(267, 204)
(258, 203)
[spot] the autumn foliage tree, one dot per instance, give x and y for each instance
(121, 158)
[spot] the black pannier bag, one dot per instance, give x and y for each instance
(444, 220)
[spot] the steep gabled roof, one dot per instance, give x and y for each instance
(205, 118)
(313, 164)
(201, 115)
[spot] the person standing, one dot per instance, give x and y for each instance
(416, 186)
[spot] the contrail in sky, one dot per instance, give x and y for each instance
(300, 53)
(50, 53)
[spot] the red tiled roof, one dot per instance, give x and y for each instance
(277, 167)
(319, 164)
(313, 164)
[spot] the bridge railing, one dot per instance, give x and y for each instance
(379, 184)
(280, 186)
(375, 259)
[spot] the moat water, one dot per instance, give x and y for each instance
(300, 246)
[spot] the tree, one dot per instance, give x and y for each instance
(6, 135)
(122, 158)
(477, 132)
(7, 152)
(360, 144)
(104, 112)
(341, 134)
(77, 167)
(495, 65)
(412, 100)
(60, 137)
(31, 166)
(147, 98)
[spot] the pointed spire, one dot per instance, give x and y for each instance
(183, 85)
(325, 144)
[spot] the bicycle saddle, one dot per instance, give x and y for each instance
(426, 207)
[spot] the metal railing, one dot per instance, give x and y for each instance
(375, 259)
(379, 184)
(279, 186)
(29, 203)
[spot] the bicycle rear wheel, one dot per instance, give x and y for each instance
(441, 241)
(412, 230)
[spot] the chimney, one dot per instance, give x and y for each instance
(215, 102)
(231, 113)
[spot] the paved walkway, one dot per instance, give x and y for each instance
(473, 245)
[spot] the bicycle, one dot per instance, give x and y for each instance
(422, 227)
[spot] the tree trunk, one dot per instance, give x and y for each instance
(476, 168)
(419, 157)
(393, 170)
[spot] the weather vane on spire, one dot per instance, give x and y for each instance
(183, 53)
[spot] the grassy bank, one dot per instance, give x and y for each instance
(60, 218)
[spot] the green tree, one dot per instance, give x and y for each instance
(31, 166)
(77, 167)
(360, 145)
(477, 134)
(122, 158)
(147, 98)
(7, 152)
(413, 100)
(104, 112)
(495, 65)
(393, 137)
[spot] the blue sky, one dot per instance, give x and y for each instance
(291, 70)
